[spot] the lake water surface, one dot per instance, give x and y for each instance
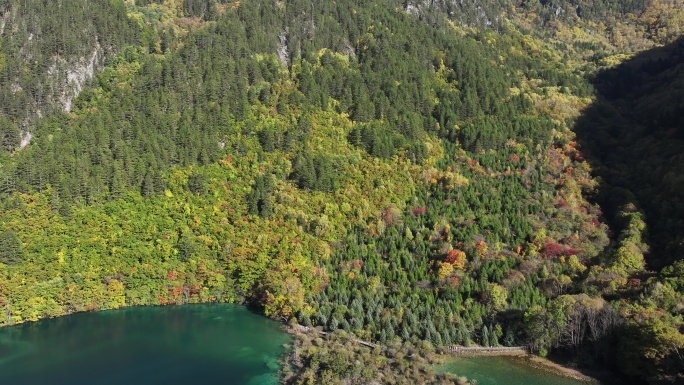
(196, 344)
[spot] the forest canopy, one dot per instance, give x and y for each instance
(420, 172)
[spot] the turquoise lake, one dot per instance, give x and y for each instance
(195, 344)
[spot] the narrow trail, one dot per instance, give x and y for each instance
(497, 350)
(307, 329)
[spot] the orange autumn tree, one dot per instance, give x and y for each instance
(457, 259)
(481, 249)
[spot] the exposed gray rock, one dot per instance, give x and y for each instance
(69, 79)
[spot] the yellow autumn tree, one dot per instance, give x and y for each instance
(445, 269)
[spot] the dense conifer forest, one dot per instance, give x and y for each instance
(443, 173)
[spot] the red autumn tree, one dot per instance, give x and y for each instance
(457, 258)
(552, 250)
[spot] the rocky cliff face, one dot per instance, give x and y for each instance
(69, 77)
(475, 13)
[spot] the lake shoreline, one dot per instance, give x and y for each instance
(519, 357)
(553, 367)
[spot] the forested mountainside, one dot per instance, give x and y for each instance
(402, 171)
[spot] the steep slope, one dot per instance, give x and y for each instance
(636, 131)
(400, 86)
(634, 135)
(393, 172)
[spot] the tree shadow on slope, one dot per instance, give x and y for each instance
(634, 137)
